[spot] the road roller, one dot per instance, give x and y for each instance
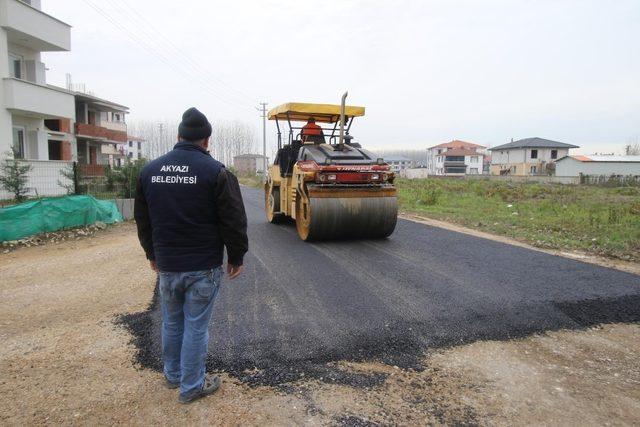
(324, 180)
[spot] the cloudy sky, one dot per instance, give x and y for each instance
(427, 71)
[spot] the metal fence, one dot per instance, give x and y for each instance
(44, 179)
(611, 180)
(52, 178)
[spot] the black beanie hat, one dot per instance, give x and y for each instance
(194, 125)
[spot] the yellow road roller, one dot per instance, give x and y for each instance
(324, 180)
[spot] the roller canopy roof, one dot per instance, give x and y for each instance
(324, 113)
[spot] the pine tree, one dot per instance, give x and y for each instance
(14, 176)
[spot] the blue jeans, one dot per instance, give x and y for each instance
(187, 304)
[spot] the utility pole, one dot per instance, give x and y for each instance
(263, 109)
(161, 139)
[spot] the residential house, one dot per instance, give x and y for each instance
(100, 127)
(133, 148)
(398, 163)
(598, 165)
(250, 164)
(28, 103)
(530, 156)
(456, 158)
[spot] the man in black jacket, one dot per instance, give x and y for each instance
(188, 208)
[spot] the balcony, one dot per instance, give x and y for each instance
(32, 28)
(98, 132)
(122, 126)
(109, 149)
(21, 96)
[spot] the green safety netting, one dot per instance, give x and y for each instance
(51, 214)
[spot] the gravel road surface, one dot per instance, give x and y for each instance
(300, 306)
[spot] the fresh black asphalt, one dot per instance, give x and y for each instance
(300, 306)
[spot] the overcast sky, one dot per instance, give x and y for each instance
(427, 71)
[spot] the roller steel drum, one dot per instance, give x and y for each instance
(346, 217)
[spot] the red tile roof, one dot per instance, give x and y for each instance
(582, 158)
(458, 144)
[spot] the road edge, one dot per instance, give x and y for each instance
(626, 266)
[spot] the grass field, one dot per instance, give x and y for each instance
(253, 181)
(597, 220)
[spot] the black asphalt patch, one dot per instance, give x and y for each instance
(299, 308)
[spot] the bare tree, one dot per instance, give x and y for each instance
(228, 139)
(633, 147)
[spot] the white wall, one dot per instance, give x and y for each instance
(572, 167)
(475, 165)
(36, 148)
(521, 155)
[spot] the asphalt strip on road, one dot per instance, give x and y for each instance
(300, 308)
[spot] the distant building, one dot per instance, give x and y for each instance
(399, 163)
(249, 164)
(598, 165)
(456, 158)
(99, 129)
(134, 148)
(530, 156)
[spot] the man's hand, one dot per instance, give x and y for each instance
(234, 271)
(154, 266)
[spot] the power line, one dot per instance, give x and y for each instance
(155, 52)
(195, 65)
(263, 108)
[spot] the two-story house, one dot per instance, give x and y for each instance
(455, 158)
(27, 102)
(530, 156)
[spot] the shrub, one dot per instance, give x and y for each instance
(125, 178)
(14, 176)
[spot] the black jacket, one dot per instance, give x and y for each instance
(188, 207)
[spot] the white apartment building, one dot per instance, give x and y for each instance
(26, 100)
(455, 158)
(529, 156)
(398, 163)
(133, 149)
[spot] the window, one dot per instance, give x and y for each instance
(454, 159)
(55, 150)
(15, 65)
(473, 171)
(534, 169)
(130, 155)
(474, 159)
(116, 117)
(139, 155)
(554, 154)
(130, 143)
(139, 146)
(455, 169)
(19, 142)
(439, 150)
(534, 154)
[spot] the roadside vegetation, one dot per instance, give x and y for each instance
(253, 181)
(598, 220)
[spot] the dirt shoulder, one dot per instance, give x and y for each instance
(65, 361)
